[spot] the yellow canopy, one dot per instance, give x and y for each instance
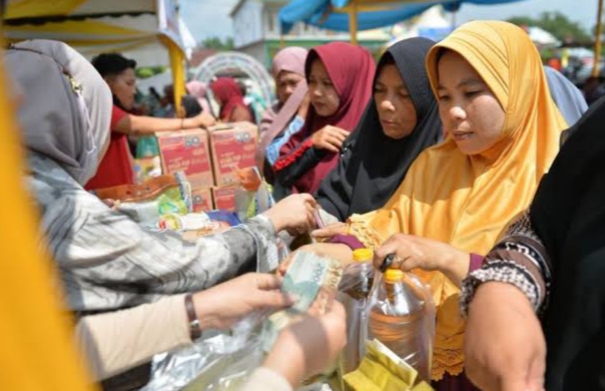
(95, 26)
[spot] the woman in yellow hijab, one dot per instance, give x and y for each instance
(503, 133)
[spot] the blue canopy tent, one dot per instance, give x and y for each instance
(354, 15)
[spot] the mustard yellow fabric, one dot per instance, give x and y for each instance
(467, 201)
(32, 8)
(35, 338)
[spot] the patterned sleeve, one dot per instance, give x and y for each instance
(107, 261)
(272, 151)
(519, 259)
(111, 263)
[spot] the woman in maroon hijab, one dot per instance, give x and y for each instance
(229, 96)
(339, 76)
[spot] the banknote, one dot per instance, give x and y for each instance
(312, 280)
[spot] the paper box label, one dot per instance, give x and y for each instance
(202, 200)
(232, 149)
(187, 151)
(224, 198)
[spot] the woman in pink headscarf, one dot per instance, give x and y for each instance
(287, 115)
(198, 89)
(339, 76)
(229, 96)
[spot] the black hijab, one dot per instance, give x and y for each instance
(568, 213)
(372, 165)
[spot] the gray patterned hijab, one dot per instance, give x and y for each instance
(67, 107)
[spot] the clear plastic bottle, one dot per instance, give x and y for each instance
(402, 318)
(354, 289)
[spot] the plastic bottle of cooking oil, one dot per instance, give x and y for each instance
(399, 318)
(354, 290)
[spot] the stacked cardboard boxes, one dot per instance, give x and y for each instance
(210, 158)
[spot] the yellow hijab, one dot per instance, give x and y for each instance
(467, 201)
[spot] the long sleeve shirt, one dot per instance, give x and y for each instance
(108, 262)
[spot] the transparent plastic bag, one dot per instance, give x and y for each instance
(147, 202)
(400, 314)
(213, 363)
(225, 361)
(353, 292)
(253, 196)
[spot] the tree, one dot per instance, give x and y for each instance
(217, 44)
(557, 24)
(145, 72)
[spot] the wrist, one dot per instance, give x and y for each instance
(275, 220)
(287, 360)
(202, 305)
(186, 123)
(456, 266)
(195, 331)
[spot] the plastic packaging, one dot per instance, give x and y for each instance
(253, 196)
(401, 315)
(220, 362)
(147, 146)
(225, 361)
(188, 222)
(146, 203)
(353, 293)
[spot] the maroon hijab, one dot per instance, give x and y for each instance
(351, 69)
(228, 94)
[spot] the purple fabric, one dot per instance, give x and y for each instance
(476, 262)
(348, 240)
(454, 383)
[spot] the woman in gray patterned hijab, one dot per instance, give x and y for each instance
(70, 122)
(107, 261)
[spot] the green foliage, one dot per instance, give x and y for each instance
(145, 72)
(557, 24)
(217, 44)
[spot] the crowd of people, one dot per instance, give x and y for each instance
(466, 162)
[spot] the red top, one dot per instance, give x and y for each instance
(115, 168)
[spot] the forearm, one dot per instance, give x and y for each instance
(287, 361)
(143, 125)
(132, 266)
(117, 341)
(289, 169)
(267, 379)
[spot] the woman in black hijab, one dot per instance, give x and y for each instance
(401, 120)
(555, 256)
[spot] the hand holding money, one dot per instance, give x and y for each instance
(223, 305)
(308, 346)
(312, 281)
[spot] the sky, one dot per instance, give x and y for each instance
(210, 18)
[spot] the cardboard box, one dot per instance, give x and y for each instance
(201, 200)
(233, 147)
(224, 198)
(188, 151)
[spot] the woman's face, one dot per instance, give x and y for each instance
(286, 83)
(324, 98)
(468, 109)
(395, 107)
(123, 86)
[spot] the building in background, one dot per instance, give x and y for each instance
(256, 32)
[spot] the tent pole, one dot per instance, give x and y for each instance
(597, 49)
(177, 64)
(353, 22)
